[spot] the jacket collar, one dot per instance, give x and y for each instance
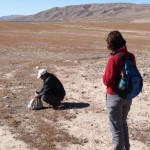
(121, 50)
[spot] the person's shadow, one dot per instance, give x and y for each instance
(73, 105)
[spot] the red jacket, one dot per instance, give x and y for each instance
(112, 73)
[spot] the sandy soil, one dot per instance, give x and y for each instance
(76, 53)
(8, 141)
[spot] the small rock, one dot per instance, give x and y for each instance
(85, 141)
(6, 97)
(19, 83)
(76, 61)
(7, 106)
(37, 67)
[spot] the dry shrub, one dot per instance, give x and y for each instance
(45, 135)
(141, 134)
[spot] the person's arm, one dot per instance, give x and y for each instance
(40, 90)
(37, 93)
(108, 77)
(48, 86)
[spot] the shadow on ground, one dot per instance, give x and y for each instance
(69, 105)
(73, 105)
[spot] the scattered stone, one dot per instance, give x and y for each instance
(84, 75)
(37, 67)
(67, 61)
(104, 109)
(19, 83)
(7, 106)
(76, 62)
(85, 140)
(6, 97)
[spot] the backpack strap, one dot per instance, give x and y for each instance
(130, 56)
(121, 55)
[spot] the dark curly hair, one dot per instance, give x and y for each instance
(115, 41)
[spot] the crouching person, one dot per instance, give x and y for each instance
(52, 91)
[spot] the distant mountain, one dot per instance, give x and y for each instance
(93, 12)
(10, 17)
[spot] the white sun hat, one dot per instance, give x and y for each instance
(41, 72)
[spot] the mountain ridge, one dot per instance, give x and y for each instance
(93, 12)
(10, 17)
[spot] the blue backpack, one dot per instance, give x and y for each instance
(131, 82)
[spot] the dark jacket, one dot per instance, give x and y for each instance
(52, 86)
(112, 73)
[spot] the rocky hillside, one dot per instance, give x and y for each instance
(93, 12)
(10, 17)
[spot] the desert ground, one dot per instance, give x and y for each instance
(76, 53)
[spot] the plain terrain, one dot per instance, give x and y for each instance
(76, 52)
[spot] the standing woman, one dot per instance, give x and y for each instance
(117, 107)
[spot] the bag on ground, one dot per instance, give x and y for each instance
(131, 82)
(35, 104)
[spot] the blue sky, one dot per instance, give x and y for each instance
(28, 7)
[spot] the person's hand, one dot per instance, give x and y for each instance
(37, 92)
(103, 71)
(37, 96)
